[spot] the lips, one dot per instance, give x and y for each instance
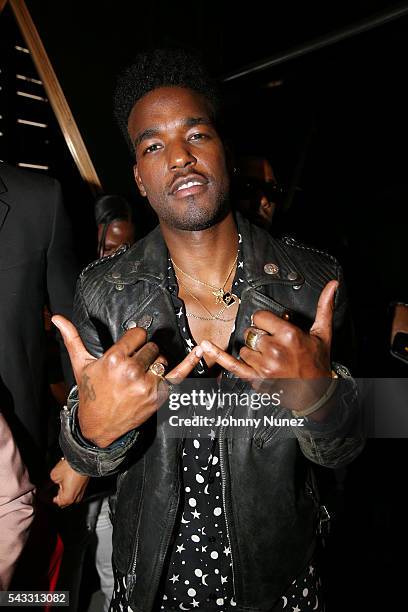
(188, 183)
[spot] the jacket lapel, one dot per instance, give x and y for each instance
(148, 264)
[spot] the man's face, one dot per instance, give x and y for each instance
(180, 159)
(119, 232)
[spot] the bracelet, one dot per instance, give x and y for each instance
(325, 397)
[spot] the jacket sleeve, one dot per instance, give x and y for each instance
(335, 442)
(339, 439)
(16, 504)
(84, 457)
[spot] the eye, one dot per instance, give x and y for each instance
(151, 148)
(198, 136)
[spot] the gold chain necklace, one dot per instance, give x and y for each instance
(221, 296)
(212, 317)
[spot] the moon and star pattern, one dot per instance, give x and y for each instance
(198, 574)
(304, 594)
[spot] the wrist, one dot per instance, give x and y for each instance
(323, 400)
(93, 433)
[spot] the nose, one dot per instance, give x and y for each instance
(180, 156)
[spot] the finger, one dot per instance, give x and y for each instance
(56, 500)
(228, 362)
(78, 354)
(183, 369)
(252, 358)
(269, 322)
(130, 342)
(60, 501)
(158, 359)
(55, 476)
(147, 355)
(59, 498)
(323, 323)
(261, 340)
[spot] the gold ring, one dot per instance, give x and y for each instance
(157, 369)
(253, 336)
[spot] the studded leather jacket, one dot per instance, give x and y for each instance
(270, 500)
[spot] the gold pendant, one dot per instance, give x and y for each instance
(228, 299)
(219, 296)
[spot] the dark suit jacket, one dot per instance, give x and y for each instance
(37, 266)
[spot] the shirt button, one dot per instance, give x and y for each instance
(212, 539)
(211, 479)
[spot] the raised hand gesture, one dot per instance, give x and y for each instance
(118, 392)
(277, 349)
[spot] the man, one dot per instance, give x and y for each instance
(258, 192)
(37, 267)
(16, 504)
(114, 219)
(208, 520)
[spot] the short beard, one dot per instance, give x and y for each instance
(195, 218)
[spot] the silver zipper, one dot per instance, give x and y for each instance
(223, 479)
(131, 579)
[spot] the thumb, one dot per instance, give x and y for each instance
(323, 323)
(55, 476)
(59, 498)
(77, 352)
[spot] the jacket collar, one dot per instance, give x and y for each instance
(266, 259)
(147, 260)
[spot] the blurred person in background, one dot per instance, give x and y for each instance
(16, 504)
(114, 219)
(37, 268)
(257, 194)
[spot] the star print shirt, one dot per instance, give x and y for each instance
(199, 570)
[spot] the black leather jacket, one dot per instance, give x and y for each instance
(271, 504)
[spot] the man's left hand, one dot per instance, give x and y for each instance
(71, 484)
(285, 352)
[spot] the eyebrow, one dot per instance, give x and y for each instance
(155, 131)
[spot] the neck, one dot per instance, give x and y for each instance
(207, 254)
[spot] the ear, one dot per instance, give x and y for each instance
(139, 181)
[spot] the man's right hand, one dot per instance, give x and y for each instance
(118, 392)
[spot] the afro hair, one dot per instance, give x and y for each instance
(161, 68)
